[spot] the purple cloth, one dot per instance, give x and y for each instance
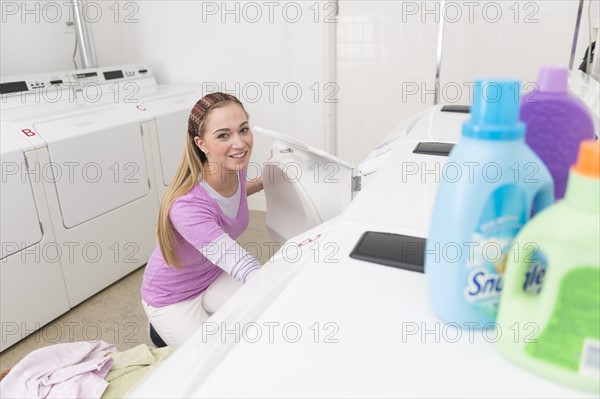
(70, 370)
(198, 221)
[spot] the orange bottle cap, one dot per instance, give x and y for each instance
(588, 161)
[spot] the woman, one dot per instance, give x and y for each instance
(197, 265)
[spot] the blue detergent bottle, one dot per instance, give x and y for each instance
(491, 185)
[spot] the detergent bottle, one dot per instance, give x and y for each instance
(556, 123)
(555, 330)
(491, 185)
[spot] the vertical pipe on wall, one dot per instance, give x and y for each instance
(575, 36)
(87, 51)
(331, 78)
(440, 47)
(595, 72)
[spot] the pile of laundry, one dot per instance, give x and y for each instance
(80, 370)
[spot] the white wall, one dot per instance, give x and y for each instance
(387, 55)
(34, 36)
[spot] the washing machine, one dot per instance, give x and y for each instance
(100, 197)
(305, 186)
(161, 110)
(33, 290)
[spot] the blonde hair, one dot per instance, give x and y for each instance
(189, 171)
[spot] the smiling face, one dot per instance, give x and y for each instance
(227, 139)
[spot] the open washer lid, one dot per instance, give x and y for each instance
(20, 224)
(304, 186)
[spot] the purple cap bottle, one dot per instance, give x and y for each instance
(556, 123)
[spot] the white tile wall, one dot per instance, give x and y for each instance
(388, 47)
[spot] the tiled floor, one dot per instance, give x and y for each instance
(115, 315)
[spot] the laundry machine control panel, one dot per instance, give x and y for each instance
(15, 84)
(116, 83)
(26, 90)
(111, 74)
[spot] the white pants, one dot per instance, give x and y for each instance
(177, 322)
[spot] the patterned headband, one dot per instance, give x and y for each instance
(201, 108)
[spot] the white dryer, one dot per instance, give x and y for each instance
(101, 200)
(161, 110)
(169, 107)
(32, 289)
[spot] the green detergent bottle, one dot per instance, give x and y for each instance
(549, 313)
